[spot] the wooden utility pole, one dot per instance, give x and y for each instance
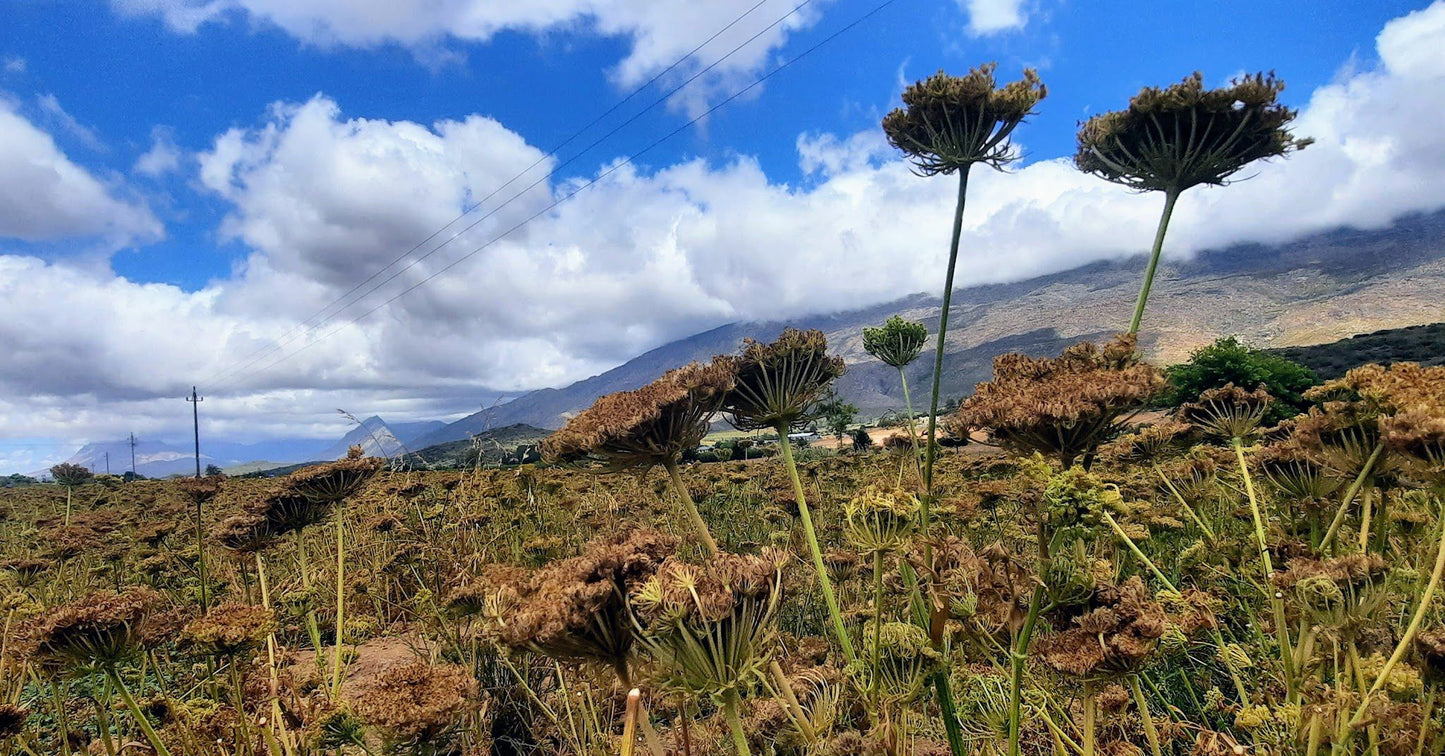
(196, 422)
(107, 463)
(133, 473)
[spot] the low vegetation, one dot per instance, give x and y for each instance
(1089, 578)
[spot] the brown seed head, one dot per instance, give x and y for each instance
(951, 122)
(230, 629)
(649, 426)
(334, 481)
(1063, 406)
(100, 629)
(417, 703)
(778, 384)
(1228, 412)
(1174, 138)
(1117, 637)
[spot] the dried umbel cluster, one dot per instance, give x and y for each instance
(577, 609)
(417, 704)
(67, 474)
(1373, 409)
(710, 630)
(880, 519)
(200, 490)
(230, 629)
(778, 384)
(897, 343)
(334, 481)
(1114, 638)
(650, 426)
(100, 629)
(1064, 406)
(1184, 135)
(1339, 593)
(906, 659)
(951, 122)
(1228, 412)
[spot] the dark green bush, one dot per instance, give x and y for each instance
(1229, 361)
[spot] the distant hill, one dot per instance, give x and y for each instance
(1424, 344)
(492, 445)
(1310, 291)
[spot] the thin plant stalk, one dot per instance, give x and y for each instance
(1090, 715)
(1426, 599)
(140, 717)
(1349, 497)
(201, 562)
(275, 682)
(930, 452)
(941, 683)
(1144, 716)
(814, 549)
(1018, 652)
(1208, 532)
(1281, 628)
(629, 727)
(913, 440)
(695, 517)
(340, 601)
(1170, 197)
(735, 722)
(312, 628)
(877, 624)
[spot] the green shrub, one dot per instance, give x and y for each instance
(1229, 361)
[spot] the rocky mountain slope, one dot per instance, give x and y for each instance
(1309, 291)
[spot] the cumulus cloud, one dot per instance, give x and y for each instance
(659, 31)
(57, 115)
(643, 257)
(44, 196)
(162, 158)
(993, 16)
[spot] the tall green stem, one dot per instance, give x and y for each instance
(698, 524)
(877, 625)
(1019, 652)
(945, 695)
(930, 452)
(1170, 197)
(814, 549)
(340, 601)
(140, 717)
(1359, 483)
(1281, 628)
(735, 722)
(1144, 717)
(312, 628)
(201, 562)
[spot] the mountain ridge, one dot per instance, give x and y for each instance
(1311, 290)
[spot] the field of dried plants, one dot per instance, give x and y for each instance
(1214, 581)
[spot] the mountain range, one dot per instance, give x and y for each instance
(1313, 290)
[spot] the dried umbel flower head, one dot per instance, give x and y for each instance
(67, 474)
(417, 706)
(896, 343)
(244, 533)
(1115, 638)
(710, 630)
(1339, 593)
(906, 660)
(12, 720)
(1228, 412)
(230, 629)
(576, 609)
(26, 571)
(1153, 443)
(1430, 645)
(879, 519)
(1417, 436)
(777, 385)
(949, 123)
(1181, 136)
(334, 481)
(1063, 406)
(100, 629)
(1295, 473)
(649, 426)
(200, 490)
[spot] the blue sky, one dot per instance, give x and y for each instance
(190, 125)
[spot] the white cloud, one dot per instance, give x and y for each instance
(659, 31)
(50, 107)
(643, 257)
(45, 197)
(162, 158)
(15, 65)
(993, 16)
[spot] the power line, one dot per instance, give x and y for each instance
(615, 167)
(304, 326)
